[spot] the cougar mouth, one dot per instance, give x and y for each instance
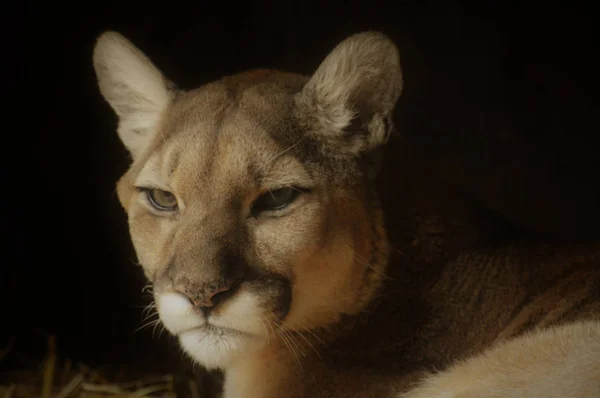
(216, 347)
(212, 330)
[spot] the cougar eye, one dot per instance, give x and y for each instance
(161, 200)
(276, 200)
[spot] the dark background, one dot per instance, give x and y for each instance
(501, 95)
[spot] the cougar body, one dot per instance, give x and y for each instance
(252, 207)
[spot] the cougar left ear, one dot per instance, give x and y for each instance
(349, 100)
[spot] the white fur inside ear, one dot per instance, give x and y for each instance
(360, 77)
(133, 86)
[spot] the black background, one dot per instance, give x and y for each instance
(501, 95)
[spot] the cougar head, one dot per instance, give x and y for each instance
(249, 199)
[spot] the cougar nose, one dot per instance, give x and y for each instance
(211, 296)
(207, 297)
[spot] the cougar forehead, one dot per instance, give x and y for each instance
(230, 132)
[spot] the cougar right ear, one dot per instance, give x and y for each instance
(135, 89)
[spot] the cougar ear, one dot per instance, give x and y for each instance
(349, 100)
(135, 89)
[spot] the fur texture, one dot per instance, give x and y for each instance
(275, 264)
(554, 363)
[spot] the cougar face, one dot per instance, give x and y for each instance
(247, 198)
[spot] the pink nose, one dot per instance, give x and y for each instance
(210, 296)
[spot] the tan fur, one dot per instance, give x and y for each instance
(557, 362)
(317, 303)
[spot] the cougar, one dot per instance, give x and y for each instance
(253, 211)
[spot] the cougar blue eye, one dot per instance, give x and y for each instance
(161, 200)
(276, 200)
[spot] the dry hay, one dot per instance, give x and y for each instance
(54, 377)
